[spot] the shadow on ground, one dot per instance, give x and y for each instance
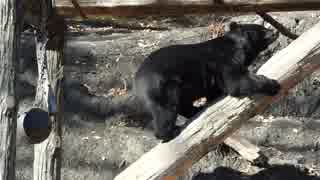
(277, 172)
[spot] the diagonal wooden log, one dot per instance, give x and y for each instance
(169, 160)
(241, 145)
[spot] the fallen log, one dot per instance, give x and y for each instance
(10, 38)
(134, 8)
(169, 160)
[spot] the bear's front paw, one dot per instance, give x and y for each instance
(164, 138)
(169, 135)
(272, 87)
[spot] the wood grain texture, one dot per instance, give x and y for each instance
(244, 147)
(115, 3)
(47, 154)
(133, 8)
(8, 115)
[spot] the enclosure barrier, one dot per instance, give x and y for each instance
(134, 8)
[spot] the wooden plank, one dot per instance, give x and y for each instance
(244, 147)
(93, 8)
(169, 160)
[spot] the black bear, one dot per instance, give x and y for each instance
(173, 77)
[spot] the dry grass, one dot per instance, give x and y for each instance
(216, 29)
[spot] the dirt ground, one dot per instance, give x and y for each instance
(105, 128)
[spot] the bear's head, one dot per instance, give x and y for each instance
(253, 38)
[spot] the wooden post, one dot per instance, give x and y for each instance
(49, 47)
(10, 38)
(169, 160)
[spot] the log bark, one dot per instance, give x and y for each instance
(47, 155)
(246, 149)
(9, 33)
(49, 46)
(135, 8)
(169, 160)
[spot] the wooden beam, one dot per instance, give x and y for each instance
(133, 8)
(244, 147)
(169, 160)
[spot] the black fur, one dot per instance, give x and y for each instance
(171, 78)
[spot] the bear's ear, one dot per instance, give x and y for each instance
(231, 26)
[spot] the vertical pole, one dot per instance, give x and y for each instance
(9, 33)
(49, 47)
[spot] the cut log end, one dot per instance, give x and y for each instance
(37, 125)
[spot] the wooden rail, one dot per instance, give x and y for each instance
(134, 8)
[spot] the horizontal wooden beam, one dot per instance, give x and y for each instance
(134, 8)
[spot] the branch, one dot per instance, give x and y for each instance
(289, 66)
(283, 30)
(77, 6)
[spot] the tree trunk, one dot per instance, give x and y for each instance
(49, 47)
(9, 33)
(47, 155)
(169, 160)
